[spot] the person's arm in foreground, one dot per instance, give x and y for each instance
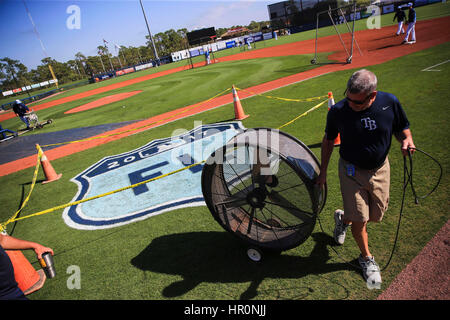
(11, 243)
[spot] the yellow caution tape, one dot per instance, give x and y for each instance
(13, 218)
(177, 114)
(303, 114)
(139, 128)
(40, 153)
(283, 99)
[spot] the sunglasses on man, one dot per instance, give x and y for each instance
(357, 101)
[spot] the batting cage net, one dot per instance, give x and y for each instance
(343, 21)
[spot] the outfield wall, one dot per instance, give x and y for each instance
(220, 45)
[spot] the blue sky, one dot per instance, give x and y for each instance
(117, 21)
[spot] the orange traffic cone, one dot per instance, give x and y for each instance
(337, 141)
(330, 100)
(238, 111)
(28, 279)
(50, 173)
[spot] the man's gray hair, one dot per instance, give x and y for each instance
(362, 81)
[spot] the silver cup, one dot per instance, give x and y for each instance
(48, 265)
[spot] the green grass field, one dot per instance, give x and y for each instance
(171, 92)
(185, 254)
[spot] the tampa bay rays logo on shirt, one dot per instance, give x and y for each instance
(369, 123)
(157, 158)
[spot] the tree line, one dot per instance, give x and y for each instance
(14, 74)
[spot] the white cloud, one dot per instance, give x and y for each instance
(232, 13)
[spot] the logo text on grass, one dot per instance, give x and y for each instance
(152, 160)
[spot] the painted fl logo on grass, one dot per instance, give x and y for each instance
(155, 159)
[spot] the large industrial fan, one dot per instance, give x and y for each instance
(261, 187)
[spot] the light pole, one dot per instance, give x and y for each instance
(150, 35)
(107, 53)
(100, 56)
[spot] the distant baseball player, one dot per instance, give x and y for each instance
(411, 25)
(400, 15)
(208, 58)
(20, 109)
(249, 46)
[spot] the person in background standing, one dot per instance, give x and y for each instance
(20, 109)
(400, 15)
(208, 58)
(411, 25)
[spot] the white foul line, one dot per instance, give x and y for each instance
(428, 69)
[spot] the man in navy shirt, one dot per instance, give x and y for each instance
(20, 109)
(411, 25)
(400, 15)
(366, 120)
(9, 289)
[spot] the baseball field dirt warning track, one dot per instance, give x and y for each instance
(103, 101)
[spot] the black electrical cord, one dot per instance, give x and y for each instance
(416, 198)
(407, 179)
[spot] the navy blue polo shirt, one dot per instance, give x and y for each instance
(20, 109)
(366, 135)
(8, 285)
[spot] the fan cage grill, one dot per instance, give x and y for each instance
(264, 197)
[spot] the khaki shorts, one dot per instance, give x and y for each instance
(366, 194)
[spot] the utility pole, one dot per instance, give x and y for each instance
(100, 57)
(110, 62)
(150, 35)
(107, 53)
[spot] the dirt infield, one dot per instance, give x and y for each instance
(102, 101)
(427, 277)
(96, 91)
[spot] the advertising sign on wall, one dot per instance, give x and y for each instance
(388, 9)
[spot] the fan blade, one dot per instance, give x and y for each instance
(252, 214)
